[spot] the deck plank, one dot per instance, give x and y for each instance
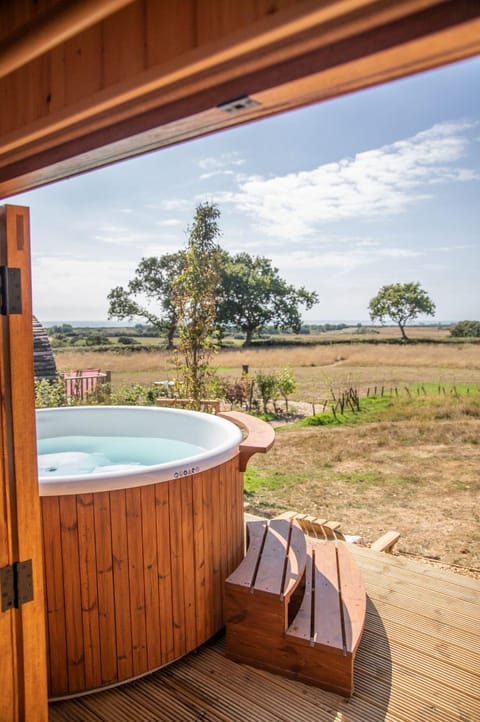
(419, 659)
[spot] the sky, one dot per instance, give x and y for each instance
(376, 187)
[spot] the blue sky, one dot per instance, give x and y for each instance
(377, 187)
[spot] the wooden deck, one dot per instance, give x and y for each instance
(418, 661)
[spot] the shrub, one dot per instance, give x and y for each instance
(50, 394)
(465, 329)
(127, 340)
(236, 391)
(267, 386)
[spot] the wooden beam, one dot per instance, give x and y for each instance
(282, 66)
(53, 28)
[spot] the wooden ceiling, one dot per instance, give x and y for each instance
(84, 83)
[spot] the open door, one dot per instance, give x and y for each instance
(23, 682)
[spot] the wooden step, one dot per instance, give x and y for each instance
(328, 627)
(258, 592)
(296, 610)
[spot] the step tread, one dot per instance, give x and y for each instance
(333, 609)
(275, 560)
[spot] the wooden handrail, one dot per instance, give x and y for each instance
(259, 436)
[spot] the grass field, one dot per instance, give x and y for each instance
(413, 465)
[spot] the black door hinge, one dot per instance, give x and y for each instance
(10, 291)
(16, 582)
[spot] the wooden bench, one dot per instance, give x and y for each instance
(258, 592)
(327, 629)
(295, 609)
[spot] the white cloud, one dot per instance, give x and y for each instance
(378, 182)
(213, 173)
(169, 222)
(169, 204)
(223, 160)
(72, 288)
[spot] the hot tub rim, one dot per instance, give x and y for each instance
(167, 471)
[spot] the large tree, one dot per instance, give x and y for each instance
(253, 295)
(401, 302)
(149, 294)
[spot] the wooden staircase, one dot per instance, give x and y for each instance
(294, 608)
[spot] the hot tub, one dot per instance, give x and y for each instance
(135, 558)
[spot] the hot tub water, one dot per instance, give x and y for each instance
(78, 455)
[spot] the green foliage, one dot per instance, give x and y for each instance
(97, 339)
(426, 402)
(286, 384)
(402, 302)
(266, 383)
(49, 394)
(466, 329)
(52, 394)
(135, 395)
(152, 284)
(127, 340)
(194, 300)
(252, 296)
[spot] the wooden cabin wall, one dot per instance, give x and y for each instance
(142, 36)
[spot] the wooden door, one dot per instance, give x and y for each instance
(23, 681)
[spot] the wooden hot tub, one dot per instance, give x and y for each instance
(134, 576)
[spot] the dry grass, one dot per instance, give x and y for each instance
(419, 476)
(316, 368)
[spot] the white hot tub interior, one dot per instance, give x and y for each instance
(90, 448)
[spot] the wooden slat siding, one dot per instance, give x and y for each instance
(56, 91)
(165, 581)
(83, 65)
(209, 521)
(72, 593)
(121, 586)
(147, 569)
(136, 579)
(353, 598)
(188, 558)
(238, 500)
(216, 550)
(176, 556)
(106, 597)
(88, 583)
(180, 20)
(150, 577)
(124, 45)
(199, 524)
(228, 519)
(55, 603)
(225, 526)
